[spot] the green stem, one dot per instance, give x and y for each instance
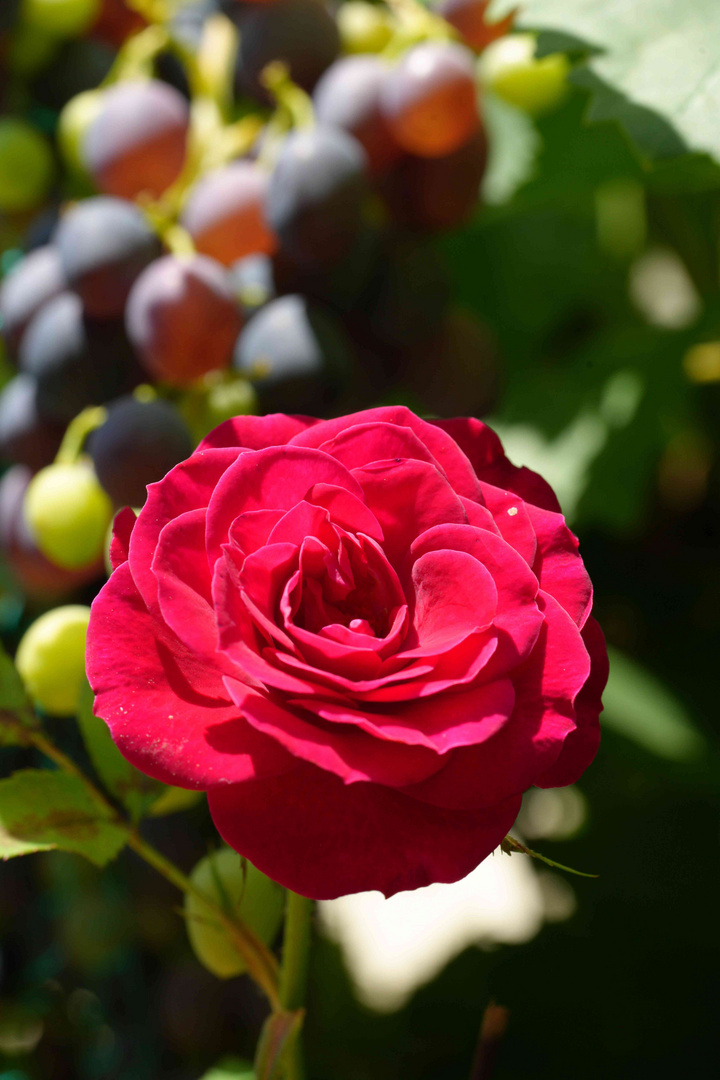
(293, 973)
(261, 964)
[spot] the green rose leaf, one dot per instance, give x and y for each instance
(42, 810)
(132, 788)
(639, 54)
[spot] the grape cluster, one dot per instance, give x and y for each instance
(232, 209)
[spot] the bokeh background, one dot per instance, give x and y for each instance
(591, 279)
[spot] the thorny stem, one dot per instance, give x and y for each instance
(261, 964)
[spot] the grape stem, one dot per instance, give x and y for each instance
(261, 964)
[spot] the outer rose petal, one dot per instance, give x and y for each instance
(582, 744)
(487, 456)
(558, 565)
(510, 761)
(162, 703)
(323, 839)
(123, 526)
(448, 454)
(257, 432)
(186, 487)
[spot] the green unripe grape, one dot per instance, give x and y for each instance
(73, 122)
(51, 659)
(244, 892)
(67, 513)
(61, 18)
(217, 397)
(364, 28)
(510, 68)
(26, 166)
(30, 50)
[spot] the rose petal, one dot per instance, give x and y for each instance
(485, 452)
(349, 753)
(273, 479)
(123, 525)
(517, 616)
(581, 745)
(449, 455)
(512, 520)
(454, 595)
(465, 718)
(184, 584)
(257, 432)
(162, 702)
(324, 839)
(526, 746)
(558, 566)
(407, 498)
(186, 487)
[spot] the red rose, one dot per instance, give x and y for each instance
(365, 638)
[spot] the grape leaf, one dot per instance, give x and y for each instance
(131, 787)
(651, 65)
(42, 810)
(641, 708)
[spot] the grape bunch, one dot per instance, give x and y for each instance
(233, 209)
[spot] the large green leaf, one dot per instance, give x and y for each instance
(41, 810)
(640, 707)
(131, 787)
(652, 65)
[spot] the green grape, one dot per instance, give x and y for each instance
(62, 18)
(67, 513)
(215, 398)
(51, 659)
(26, 166)
(364, 28)
(255, 899)
(510, 68)
(73, 122)
(30, 51)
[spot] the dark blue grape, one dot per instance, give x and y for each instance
(137, 445)
(301, 33)
(26, 438)
(296, 355)
(314, 202)
(75, 361)
(31, 283)
(104, 245)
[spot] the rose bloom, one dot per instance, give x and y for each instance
(365, 638)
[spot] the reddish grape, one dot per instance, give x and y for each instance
(430, 99)
(225, 213)
(182, 318)
(469, 17)
(137, 142)
(348, 97)
(438, 193)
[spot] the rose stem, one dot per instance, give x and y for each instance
(262, 965)
(293, 973)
